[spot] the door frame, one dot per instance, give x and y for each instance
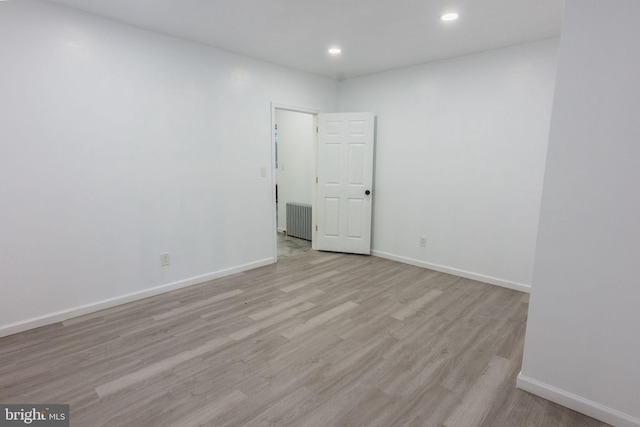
(314, 165)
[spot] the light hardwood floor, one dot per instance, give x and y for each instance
(317, 339)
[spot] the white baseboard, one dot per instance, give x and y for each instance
(60, 316)
(456, 272)
(282, 230)
(577, 403)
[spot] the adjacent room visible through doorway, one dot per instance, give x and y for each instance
(294, 133)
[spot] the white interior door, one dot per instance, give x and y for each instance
(345, 178)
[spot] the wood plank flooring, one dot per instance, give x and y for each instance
(317, 339)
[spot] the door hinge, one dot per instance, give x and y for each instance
(316, 179)
(316, 129)
(316, 228)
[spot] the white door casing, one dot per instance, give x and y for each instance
(345, 179)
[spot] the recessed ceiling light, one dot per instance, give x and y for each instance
(335, 51)
(449, 16)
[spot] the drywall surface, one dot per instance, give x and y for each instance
(119, 144)
(460, 154)
(583, 343)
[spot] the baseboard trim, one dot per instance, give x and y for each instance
(60, 316)
(456, 272)
(577, 403)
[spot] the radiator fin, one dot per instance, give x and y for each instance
(299, 220)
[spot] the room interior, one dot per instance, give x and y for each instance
(511, 145)
(294, 141)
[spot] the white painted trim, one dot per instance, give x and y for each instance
(296, 108)
(60, 316)
(282, 230)
(274, 179)
(577, 403)
(456, 272)
(314, 161)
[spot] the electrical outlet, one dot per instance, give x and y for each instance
(423, 241)
(165, 259)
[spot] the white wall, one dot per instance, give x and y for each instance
(583, 334)
(118, 144)
(460, 157)
(295, 174)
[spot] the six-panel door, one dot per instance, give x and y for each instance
(345, 178)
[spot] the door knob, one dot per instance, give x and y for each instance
(367, 192)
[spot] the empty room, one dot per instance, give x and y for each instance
(471, 213)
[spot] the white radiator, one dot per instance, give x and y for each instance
(299, 220)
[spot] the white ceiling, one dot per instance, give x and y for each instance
(375, 35)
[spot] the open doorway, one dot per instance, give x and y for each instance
(294, 146)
